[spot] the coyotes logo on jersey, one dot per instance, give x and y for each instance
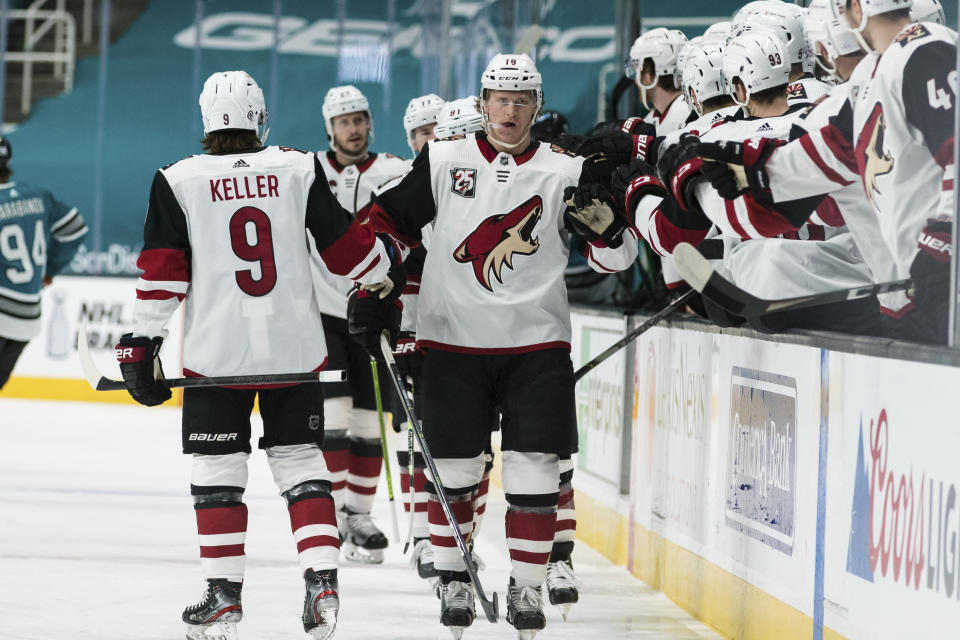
(873, 160)
(796, 91)
(498, 238)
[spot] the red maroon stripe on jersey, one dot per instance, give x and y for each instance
(670, 235)
(830, 213)
(529, 557)
(530, 526)
(411, 289)
(840, 147)
(947, 184)
(816, 232)
(381, 222)
(317, 541)
(732, 219)
(312, 511)
(159, 294)
(222, 520)
(341, 257)
(814, 155)
(899, 313)
(370, 266)
(944, 155)
(494, 351)
(767, 222)
(221, 551)
(164, 264)
(443, 541)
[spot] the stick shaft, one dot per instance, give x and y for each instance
(383, 447)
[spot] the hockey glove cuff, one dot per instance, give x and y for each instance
(631, 182)
(592, 213)
(391, 287)
(680, 168)
(368, 316)
(752, 155)
(139, 359)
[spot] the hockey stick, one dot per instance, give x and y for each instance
(413, 490)
(385, 449)
(490, 607)
(633, 335)
(102, 383)
(701, 275)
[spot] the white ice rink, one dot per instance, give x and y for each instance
(98, 541)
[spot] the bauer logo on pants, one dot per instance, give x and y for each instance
(464, 182)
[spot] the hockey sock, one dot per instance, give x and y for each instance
(531, 518)
(420, 528)
(363, 473)
(566, 513)
(336, 454)
(313, 520)
(447, 555)
(480, 497)
(217, 483)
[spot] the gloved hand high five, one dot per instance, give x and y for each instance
(368, 316)
(139, 359)
(727, 157)
(391, 288)
(593, 214)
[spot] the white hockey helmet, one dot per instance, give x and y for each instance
(688, 48)
(510, 72)
(459, 117)
(703, 76)
(786, 21)
(343, 100)
(868, 8)
(927, 11)
(716, 34)
(743, 14)
(826, 30)
(661, 46)
(232, 100)
(420, 111)
(759, 60)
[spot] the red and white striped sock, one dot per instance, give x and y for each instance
(480, 497)
(446, 554)
(336, 455)
(313, 520)
(363, 473)
(420, 522)
(223, 533)
(566, 509)
(530, 482)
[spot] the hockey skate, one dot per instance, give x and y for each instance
(216, 616)
(422, 559)
(321, 603)
(457, 609)
(525, 610)
(563, 588)
(362, 541)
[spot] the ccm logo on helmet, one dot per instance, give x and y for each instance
(213, 437)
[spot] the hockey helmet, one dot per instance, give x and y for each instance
(686, 50)
(868, 8)
(825, 29)
(717, 33)
(703, 75)
(232, 100)
(343, 100)
(661, 46)
(786, 21)
(743, 14)
(510, 72)
(927, 11)
(421, 111)
(759, 60)
(459, 117)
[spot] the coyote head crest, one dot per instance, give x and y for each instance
(874, 161)
(498, 238)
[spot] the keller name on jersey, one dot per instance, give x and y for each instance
(265, 186)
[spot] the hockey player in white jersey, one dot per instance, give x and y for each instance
(225, 234)
(40, 236)
(895, 139)
(494, 321)
(352, 443)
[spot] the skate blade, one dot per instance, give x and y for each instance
(360, 555)
(457, 632)
(327, 624)
(526, 634)
(565, 610)
(218, 631)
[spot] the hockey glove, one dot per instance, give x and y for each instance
(592, 213)
(368, 316)
(633, 181)
(680, 168)
(751, 156)
(391, 288)
(139, 359)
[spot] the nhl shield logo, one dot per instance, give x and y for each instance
(464, 182)
(313, 422)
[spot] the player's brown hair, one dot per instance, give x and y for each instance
(664, 82)
(230, 141)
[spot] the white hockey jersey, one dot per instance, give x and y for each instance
(806, 91)
(352, 186)
(227, 234)
(493, 277)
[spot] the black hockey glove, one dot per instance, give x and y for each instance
(368, 316)
(752, 155)
(139, 359)
(626, 192)
(593, 214)
(680, 168)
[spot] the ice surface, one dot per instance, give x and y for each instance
(98, 541)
